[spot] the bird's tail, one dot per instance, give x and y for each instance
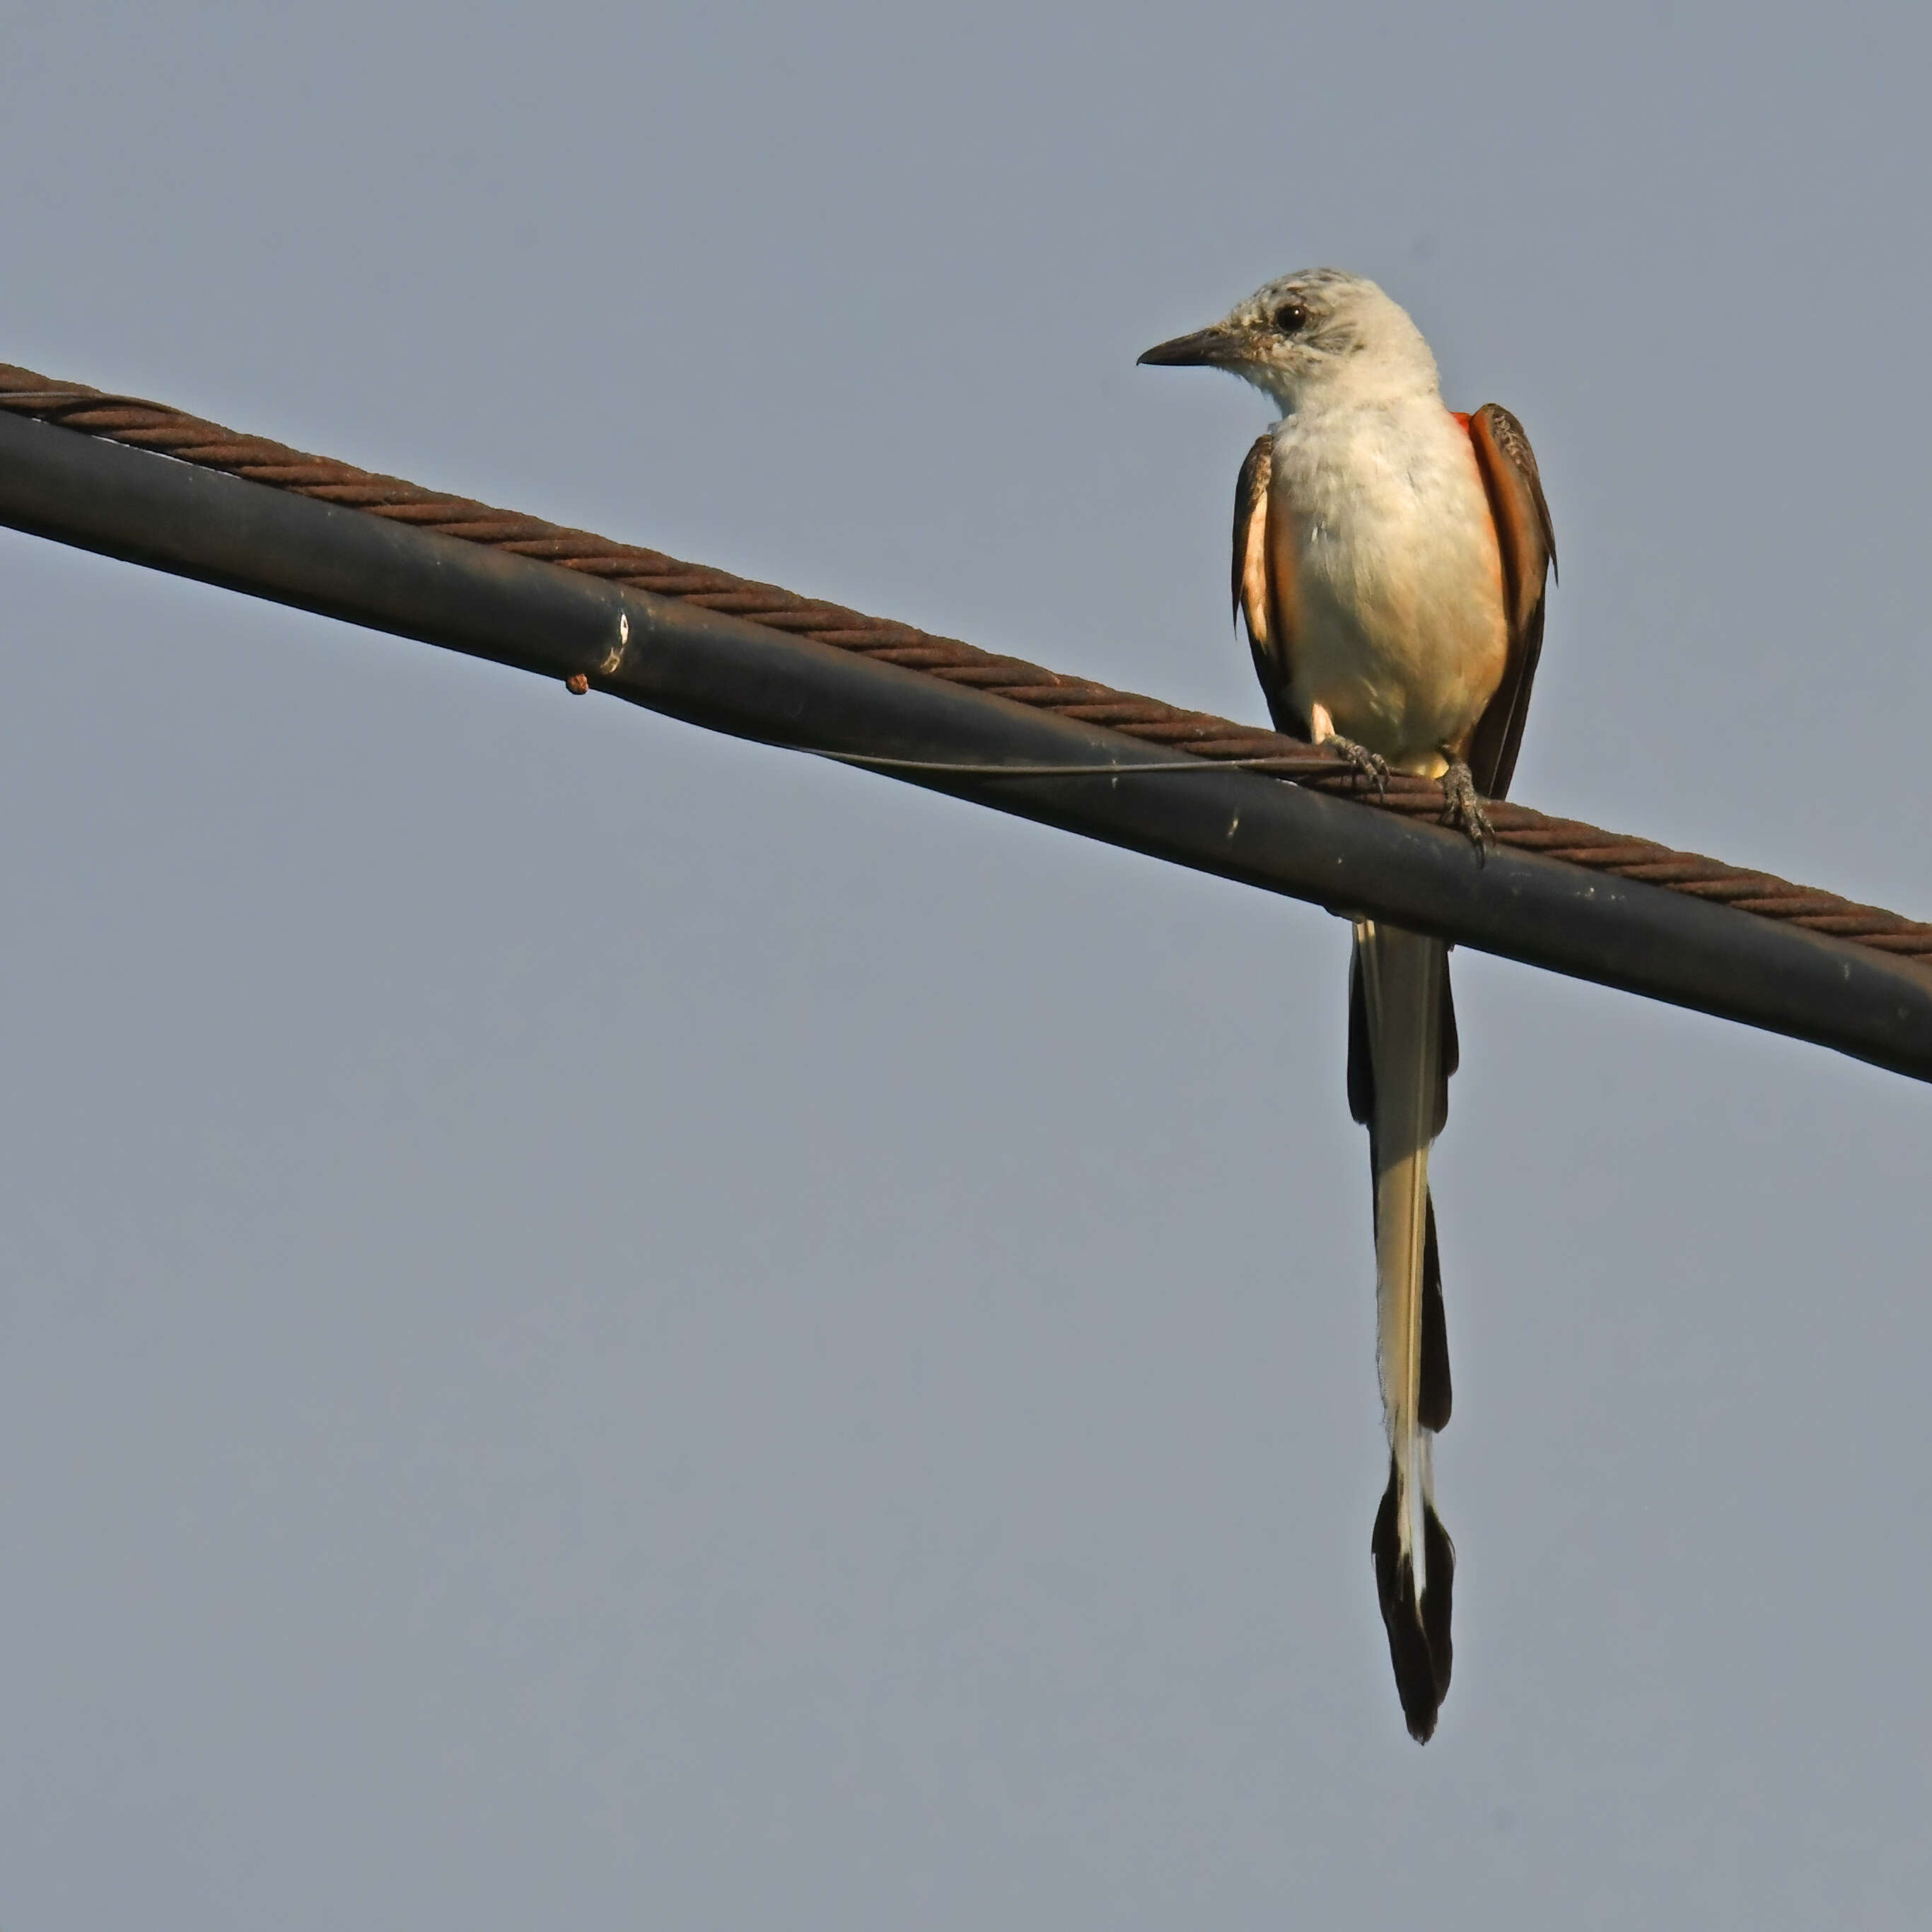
(1402, 1050)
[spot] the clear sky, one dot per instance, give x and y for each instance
(601, 1327)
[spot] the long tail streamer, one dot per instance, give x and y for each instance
(1402, 1050)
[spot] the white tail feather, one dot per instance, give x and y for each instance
(1401, 974)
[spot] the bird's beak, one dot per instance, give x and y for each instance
(1207, 348)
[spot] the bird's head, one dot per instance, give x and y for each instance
(1312, 336)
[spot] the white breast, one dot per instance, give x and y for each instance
(1400, 634)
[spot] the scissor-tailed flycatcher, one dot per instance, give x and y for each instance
(1389, 560)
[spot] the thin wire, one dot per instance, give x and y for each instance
(1314, 765)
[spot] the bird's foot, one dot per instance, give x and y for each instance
(1462, 807)
(1368, 764)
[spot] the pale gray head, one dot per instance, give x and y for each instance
(1313, 336)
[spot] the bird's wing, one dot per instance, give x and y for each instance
(1528, 546)
(1262, 580)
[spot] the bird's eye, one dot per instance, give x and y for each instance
(1291, 318)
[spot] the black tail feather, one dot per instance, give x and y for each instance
(1418, 1633)
(1434, 1397)
(1452, 1047)
(1361, 1060)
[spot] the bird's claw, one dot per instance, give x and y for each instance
(1368, 764)
(1462, 807)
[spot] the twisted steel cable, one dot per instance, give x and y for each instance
(173, 432)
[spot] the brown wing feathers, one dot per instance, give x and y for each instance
(1266, 603)
(1528, 546)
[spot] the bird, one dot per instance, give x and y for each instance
(1390, 565)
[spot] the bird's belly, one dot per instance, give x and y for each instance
(1403, 646)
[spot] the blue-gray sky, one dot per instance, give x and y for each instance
(599, 1326)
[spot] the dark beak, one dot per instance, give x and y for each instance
(1206, 348)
